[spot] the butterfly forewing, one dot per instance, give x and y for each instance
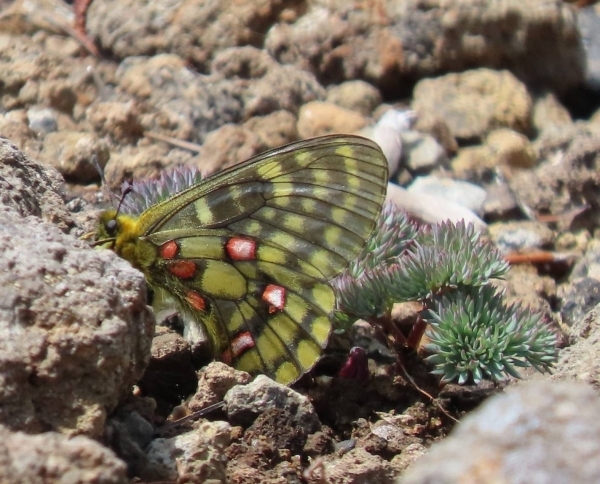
(249, 252)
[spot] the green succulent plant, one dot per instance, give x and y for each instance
(449, 269)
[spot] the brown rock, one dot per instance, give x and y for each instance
(434, 125)
(358, 466)
(71, 152)
(54, 458)
(358, 96)
(379, 43)
(119, 120)
(214, 381)
(475, 102)
(198, 455)
(321, 118)
(274, 130)
(145, 161)
(511, 148)
(548, 111)
(30, 188)
(228, 146)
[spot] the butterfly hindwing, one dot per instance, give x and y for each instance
(249, 252)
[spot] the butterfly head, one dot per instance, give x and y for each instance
(115, 230)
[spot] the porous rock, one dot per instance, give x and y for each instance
(245, 402)
(51, 458)
(543, 432)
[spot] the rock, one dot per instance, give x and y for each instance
(357, 96)
(503, 149)
(500, 203)
(431, 208)
(358, 466)
(75, 327)
(30, 188)
(528, 289)
(264, 85)
(392, 432)
(588, 264)
(245, 402)
(521, 236)
(318, 444)
(143, 161)
(576, 242)
(388, 133)
(71, 152)
(409, 455)
(128, 434)
(581, 360)
(184, 104)
(512, 438)
(214, 381)
(245, 62)
(278, 429)
(42, 120)
(582, 292)
(228, 146)
(475, 102)
(43, 69)
(473, 163)
(464, 193)
(577, 298)
(54, 458)
(119, 120)
(194, 30)
(14, 126)
(565, 178)
(275, 129)
(199, 453)
(321, 118)
(283, 87)
(71, 341)
(434, 125)
(588, 21)
(422, 153)
(548, 111)
(381, 45)
(59, 93)
(511, 149)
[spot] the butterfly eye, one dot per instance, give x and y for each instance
(111, 227)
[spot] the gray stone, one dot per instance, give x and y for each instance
(245, 402)
(542, 432)
(42, 120)
(464, 193)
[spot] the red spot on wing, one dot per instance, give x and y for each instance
(241, 248)
(240, 344)
(183, 269)
(169, 250)
(275, 296)
(196, 300)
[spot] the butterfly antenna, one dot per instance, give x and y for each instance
(126, 189)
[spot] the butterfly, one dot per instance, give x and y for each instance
(249, 253)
